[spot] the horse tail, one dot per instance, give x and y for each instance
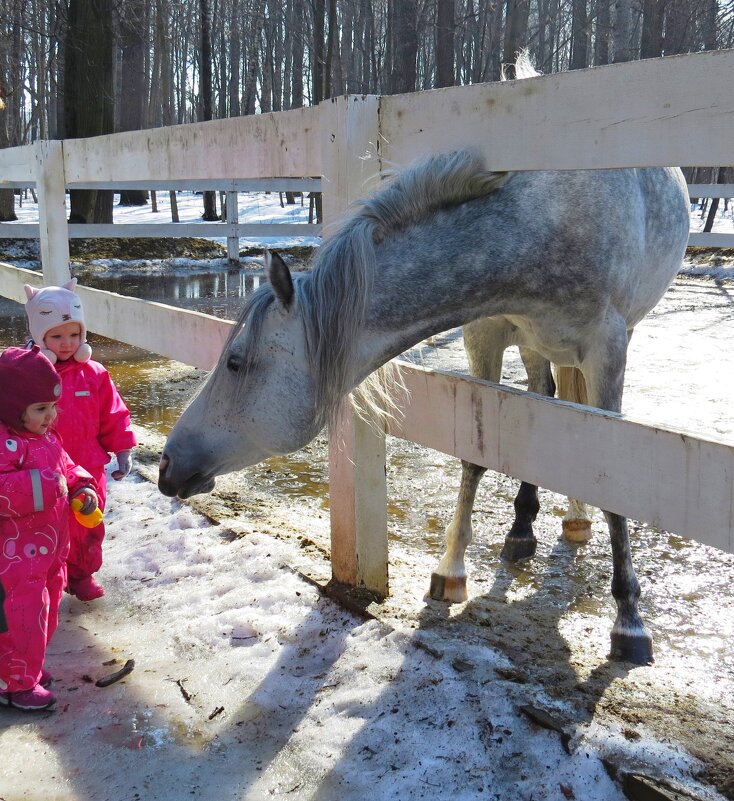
(570, 385)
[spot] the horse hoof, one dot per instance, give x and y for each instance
(448, 588)
(516, 549)
(577, 530)
(635, 648)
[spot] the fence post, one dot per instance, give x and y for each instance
(52, 225)
(357, 483)
(233, 242)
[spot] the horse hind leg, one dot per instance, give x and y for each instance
(570, 386)
(631, 642)
(520, 542)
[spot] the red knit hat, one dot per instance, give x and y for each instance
(26, 377)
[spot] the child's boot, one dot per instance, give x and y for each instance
(34, 700)
(86, 589)
(46, 678)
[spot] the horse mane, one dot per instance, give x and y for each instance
(333, 295)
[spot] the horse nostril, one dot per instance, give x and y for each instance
(163, 464)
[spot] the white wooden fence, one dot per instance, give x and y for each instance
(677, 110)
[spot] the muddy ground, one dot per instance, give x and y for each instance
(552, 615)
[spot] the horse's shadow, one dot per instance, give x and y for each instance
(522, 616)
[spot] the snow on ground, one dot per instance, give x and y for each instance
(249, 684)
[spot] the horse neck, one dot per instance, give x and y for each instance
(429, 285)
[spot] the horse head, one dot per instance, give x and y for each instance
(257, 402)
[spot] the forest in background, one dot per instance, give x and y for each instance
(74, 68)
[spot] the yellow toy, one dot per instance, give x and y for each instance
(89, 520)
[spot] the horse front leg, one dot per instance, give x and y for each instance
(485, 341)
(631, 642)
(604, 374)
(448, 582)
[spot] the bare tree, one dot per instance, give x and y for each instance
(445, 25)
(88, 98)
(205, 86)
(579, 35)
(133, 44)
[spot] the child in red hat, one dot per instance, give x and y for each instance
(37, 480)
(93, 418)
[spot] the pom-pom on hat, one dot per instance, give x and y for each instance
(26, 377)
(52, 306)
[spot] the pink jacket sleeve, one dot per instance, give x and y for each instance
(25, 491)
(115, 430)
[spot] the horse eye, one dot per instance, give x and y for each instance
(234, 364)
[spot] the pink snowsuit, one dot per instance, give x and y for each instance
(34, 543)
(93, 421)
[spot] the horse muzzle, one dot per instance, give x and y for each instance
(183, 487)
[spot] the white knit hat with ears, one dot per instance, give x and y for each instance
(52, 306)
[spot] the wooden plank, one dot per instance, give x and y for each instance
(711, 240)
(358, 503)
(19, 230)
(665, 477)
(222, 185)
(357, 482)
(656, 112)
(219, 230)
(711, 190)
(190, 337)
(17, 166)
(53, 231)
(153, 230)
(279, 145)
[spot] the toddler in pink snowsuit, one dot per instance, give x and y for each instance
(37, 479)
(93, 418)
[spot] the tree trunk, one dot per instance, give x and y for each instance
(709, 224)
(445, 43)
(205, 71)
(319, 51)
(7, 196)
(88, 97)
(404, 46)
(297, 44)
(132, 84)
(708, 24)
(651, 41)
(603, 30)
(579, 35)
(516, 32)
(622, 23)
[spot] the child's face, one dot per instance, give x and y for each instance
(38, 417)
(64, 340)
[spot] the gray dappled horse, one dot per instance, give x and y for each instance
(563, 264)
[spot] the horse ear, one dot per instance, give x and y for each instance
(280, 278)
(30, 291)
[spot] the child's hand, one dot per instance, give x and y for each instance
(124, 465)
(61, 485)
(88, 497)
